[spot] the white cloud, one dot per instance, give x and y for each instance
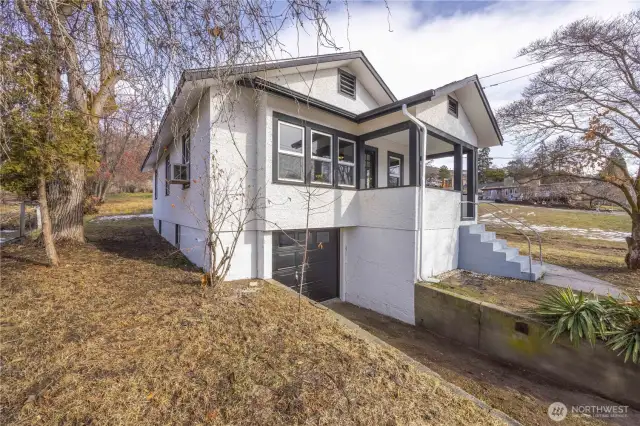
(423, 54)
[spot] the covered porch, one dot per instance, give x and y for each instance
(391, 157)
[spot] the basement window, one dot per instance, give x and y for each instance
(347, 84)
(453, 106)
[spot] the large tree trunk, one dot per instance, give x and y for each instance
(66, 199)
(633, 256)
(47, 236)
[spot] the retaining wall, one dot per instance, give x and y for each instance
(519, 340)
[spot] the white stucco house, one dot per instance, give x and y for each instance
(327, 122)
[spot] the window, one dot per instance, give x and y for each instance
(347, 84)
(346, 162)
(155, 184)
(160, 227)
(321, 158)
(177, 235)
(290, 152)
(394, 175)
(186, 157)
(370, 166)
(167, 176)
(453, 106)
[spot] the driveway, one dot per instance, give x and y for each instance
(521, 394)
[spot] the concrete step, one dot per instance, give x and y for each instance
(480, 251)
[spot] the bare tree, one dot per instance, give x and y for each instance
(106, 49)
(589, 95)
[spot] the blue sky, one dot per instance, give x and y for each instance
(433, 43)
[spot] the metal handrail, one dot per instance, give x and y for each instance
(519, 230)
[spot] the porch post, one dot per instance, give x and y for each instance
(414, 156)
(457, 167)
(472, 177)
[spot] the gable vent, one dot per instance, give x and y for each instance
(453, 106)
(347, 84)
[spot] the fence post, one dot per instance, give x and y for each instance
(22, 219)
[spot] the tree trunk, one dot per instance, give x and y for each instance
(47, 236)
(66, 201)
(633, 242)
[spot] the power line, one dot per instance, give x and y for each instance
(517, 68)
(512, 79)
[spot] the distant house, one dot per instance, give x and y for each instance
(507, 190)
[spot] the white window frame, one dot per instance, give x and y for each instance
(293, 154)
(326, 160)
(346, 163)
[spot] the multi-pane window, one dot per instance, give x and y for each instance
(321, 157)
(346, 162)
(186, 156)
(290, 152)
(167, 176)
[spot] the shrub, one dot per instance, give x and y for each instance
(616, 321)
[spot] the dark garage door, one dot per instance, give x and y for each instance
(321, 279)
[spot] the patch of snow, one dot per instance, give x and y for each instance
(123, 217)
(531, 214)
(591, 233)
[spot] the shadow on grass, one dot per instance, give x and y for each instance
(136, 239)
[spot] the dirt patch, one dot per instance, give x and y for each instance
(516, 295)
(521, 394)
(123, 333)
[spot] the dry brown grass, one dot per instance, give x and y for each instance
(122, 333)
(126, 203)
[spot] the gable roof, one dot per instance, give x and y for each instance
(297, 63)
(468, 90)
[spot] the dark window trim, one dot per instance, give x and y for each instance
(451, 101)
(155, 183)
(401, 157)
(186, 137)
(177, 236)
(167, 176)
(160, 226)
(308, 126)
(374, 150)
(342, 72)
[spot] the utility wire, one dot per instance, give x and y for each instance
(517, 68)
(506, 81)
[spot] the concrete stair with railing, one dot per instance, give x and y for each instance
(480, 251)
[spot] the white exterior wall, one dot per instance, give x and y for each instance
(323, 84)
(186, 206)
(379, 270)
(379, 256)
(440, 236)
(436, 113)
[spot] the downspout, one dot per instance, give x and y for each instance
(421, 198)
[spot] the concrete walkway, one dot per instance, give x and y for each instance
(563, 277)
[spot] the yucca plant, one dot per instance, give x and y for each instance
(578, 315)
(623, 321)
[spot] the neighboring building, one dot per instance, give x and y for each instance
(508, 190)
(326, 122)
